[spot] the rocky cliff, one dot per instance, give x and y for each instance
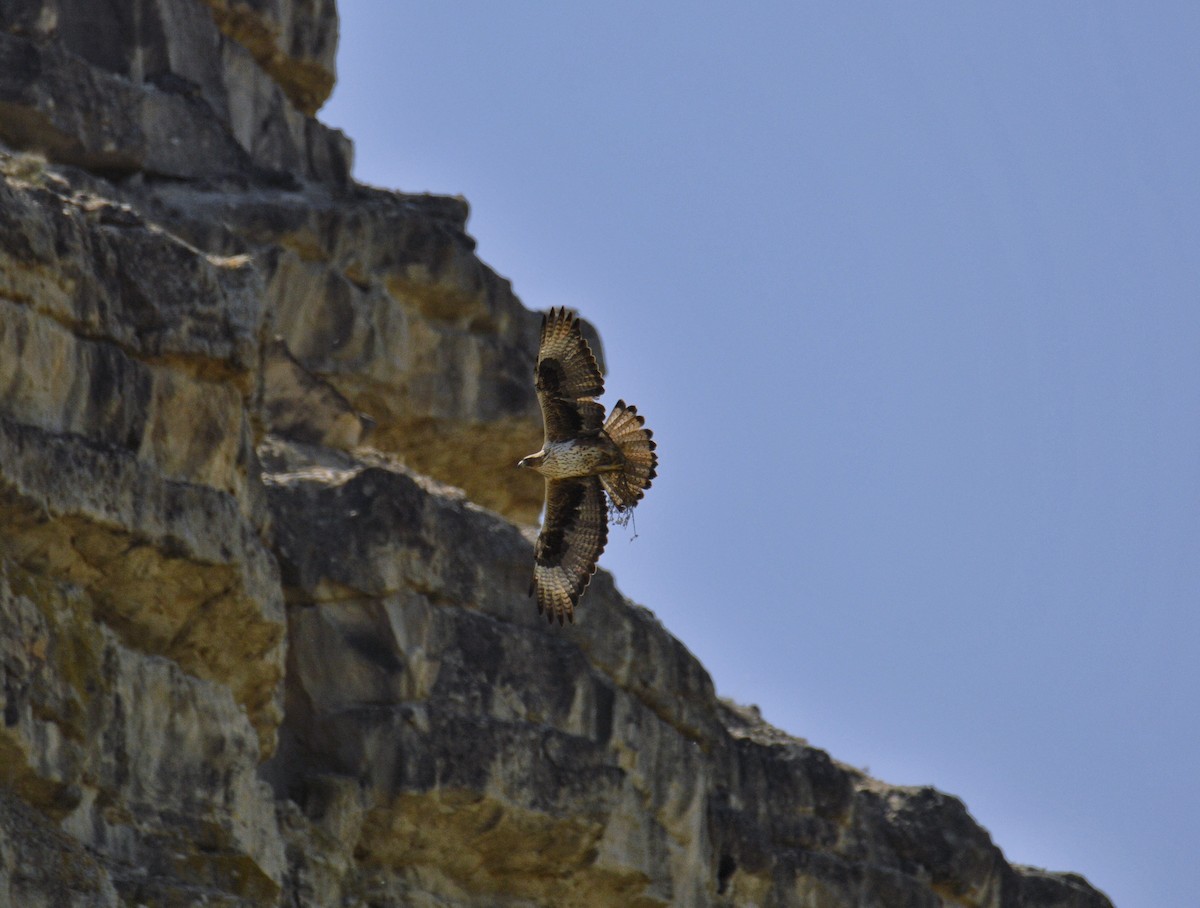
(249, 660)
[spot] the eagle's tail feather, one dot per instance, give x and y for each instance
(628, 431)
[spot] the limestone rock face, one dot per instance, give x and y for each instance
(294, 42)
(381, 296)
(246, 660)
(459, 752)
(172, 88)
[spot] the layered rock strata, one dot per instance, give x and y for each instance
(248, 660)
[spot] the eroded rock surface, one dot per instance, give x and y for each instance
(381, 296)
(460, 752)
(247, 661)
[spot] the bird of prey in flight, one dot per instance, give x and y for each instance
(593, 467)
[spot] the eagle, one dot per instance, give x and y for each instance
(593, 467)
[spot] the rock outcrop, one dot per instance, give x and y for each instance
(249, 660)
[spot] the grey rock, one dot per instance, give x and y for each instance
(154, 87)
(463, 753)
(297, 404)
(293, 40)
(149, 768)
(57, 103)
(41, 866)
(128, 374)
(382, 297)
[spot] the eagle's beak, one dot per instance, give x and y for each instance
(523, 462)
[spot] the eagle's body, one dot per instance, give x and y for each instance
(577, 457)
(591, 465)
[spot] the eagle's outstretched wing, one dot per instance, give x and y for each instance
(567, 377)
(572, 538)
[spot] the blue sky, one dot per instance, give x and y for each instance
(911, 299)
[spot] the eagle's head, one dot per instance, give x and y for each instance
(533, 461)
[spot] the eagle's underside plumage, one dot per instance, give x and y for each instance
(590, 465)
(576, 457)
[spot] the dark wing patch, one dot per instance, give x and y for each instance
(566, 377)
(572, 538)
(570, 418)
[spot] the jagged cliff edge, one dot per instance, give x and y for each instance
(247, 661)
